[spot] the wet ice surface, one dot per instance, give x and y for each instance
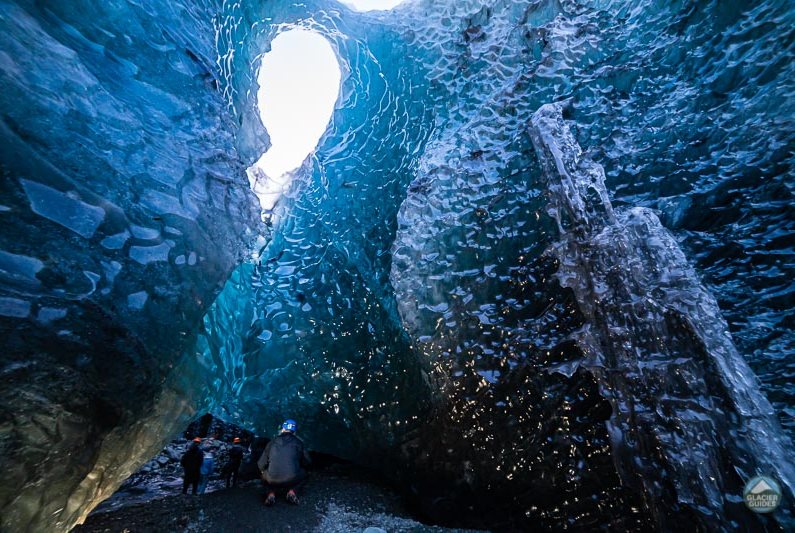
(63, 209)
(403, 281)
(658, 346)
(112, 132)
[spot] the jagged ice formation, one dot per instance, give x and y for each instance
(410, 298)
(686, 406)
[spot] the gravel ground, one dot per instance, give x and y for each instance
(336, 500)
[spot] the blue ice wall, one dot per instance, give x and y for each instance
(124, 209)
(324, 338)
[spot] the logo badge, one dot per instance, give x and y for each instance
(762, 494)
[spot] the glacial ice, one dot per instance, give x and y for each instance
(150, 254)
(115, 242)
(19, 269)
(411, 302)
(111, 122)
(137, 300)
(62, 209)
(658, 346)
(14, 307)
(49, 314)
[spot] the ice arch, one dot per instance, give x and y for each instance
(298, 82)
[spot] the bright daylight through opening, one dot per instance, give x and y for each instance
(372, 5)
(299, 82)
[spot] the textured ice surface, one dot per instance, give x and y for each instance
(62, 209)
(112, 129)
(688, 415)
(402, 305)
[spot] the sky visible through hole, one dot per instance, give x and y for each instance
(372, 5)
(299, 83)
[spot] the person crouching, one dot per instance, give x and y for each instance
(282, 464)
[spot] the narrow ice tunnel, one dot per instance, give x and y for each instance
(411, 295)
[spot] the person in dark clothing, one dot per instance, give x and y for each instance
(282, 464)
(249, 469)
(232, 467)
(191, 463)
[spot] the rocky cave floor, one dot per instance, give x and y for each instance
(337, 497)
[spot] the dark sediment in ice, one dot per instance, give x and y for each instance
(689, 423)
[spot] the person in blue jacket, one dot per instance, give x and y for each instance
(208, 464)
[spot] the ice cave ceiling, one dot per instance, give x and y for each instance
(432, 293)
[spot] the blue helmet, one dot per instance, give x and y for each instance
(289, 425)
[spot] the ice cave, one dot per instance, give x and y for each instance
(530, 260)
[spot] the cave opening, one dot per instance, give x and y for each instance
(298, 85)
(373, 5)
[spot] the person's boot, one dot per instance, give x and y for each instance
(270, 499)
(292, 497)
